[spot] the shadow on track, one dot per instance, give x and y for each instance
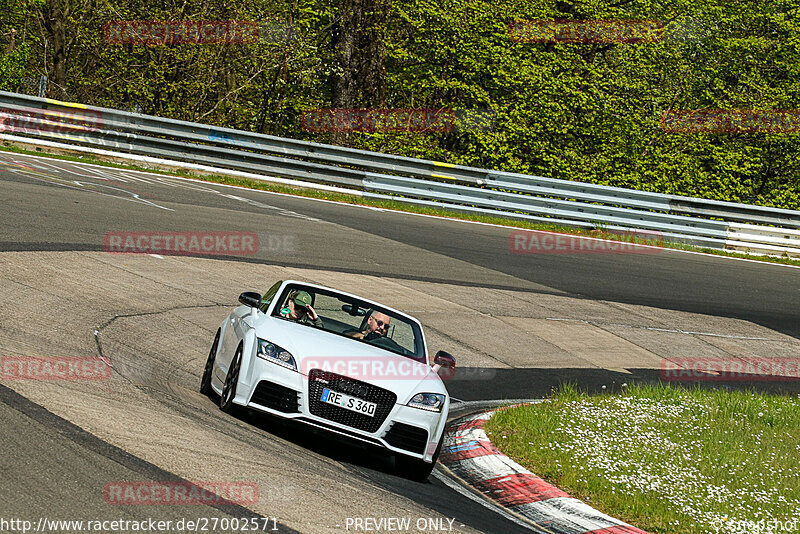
(480, 384)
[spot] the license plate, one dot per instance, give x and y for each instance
(349, 403)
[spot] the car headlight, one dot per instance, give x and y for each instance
(431, 402)
(275, 354)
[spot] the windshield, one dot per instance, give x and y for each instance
(353, 318)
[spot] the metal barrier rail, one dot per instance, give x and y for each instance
(691, 220)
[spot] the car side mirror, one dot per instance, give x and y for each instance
(250, 298)
(444, 360)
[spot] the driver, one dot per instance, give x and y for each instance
(377, 326)
(298, 309)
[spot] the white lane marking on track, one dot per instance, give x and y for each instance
(38, 170)
(85, 186)
(135, 196)
(159, 256)
(287, 213)
(86, 170)
(668, 330)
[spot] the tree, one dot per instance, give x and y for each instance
(359, 39)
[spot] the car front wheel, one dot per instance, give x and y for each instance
(231, 379)
(205, 383)
(414, 468)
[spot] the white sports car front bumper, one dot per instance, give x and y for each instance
(285, 393)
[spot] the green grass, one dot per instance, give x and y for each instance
(666, 460)
(393, 205)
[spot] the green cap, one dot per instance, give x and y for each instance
(302, 298)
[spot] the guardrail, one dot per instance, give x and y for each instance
(710, 223)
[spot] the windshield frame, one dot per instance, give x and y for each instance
(420, 349)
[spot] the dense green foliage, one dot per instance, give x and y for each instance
(587, 112)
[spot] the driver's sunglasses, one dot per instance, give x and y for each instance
(380, 323)
(300, 309)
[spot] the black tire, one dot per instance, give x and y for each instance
(205, 383)
(415, 469)
(231, 379)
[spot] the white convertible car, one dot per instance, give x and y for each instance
(337, 362)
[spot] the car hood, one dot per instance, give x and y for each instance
(313, 348)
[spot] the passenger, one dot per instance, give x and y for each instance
(377, 326)
(298, 309)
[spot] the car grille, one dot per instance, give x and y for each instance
(410, 438)
(275, 396)
(383, 398)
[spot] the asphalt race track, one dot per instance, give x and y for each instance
(518, 324)
(669, 280)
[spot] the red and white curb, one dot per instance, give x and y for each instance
(470, 455)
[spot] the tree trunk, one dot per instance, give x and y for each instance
(56, 13)
(359, 40)
(371, 74)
